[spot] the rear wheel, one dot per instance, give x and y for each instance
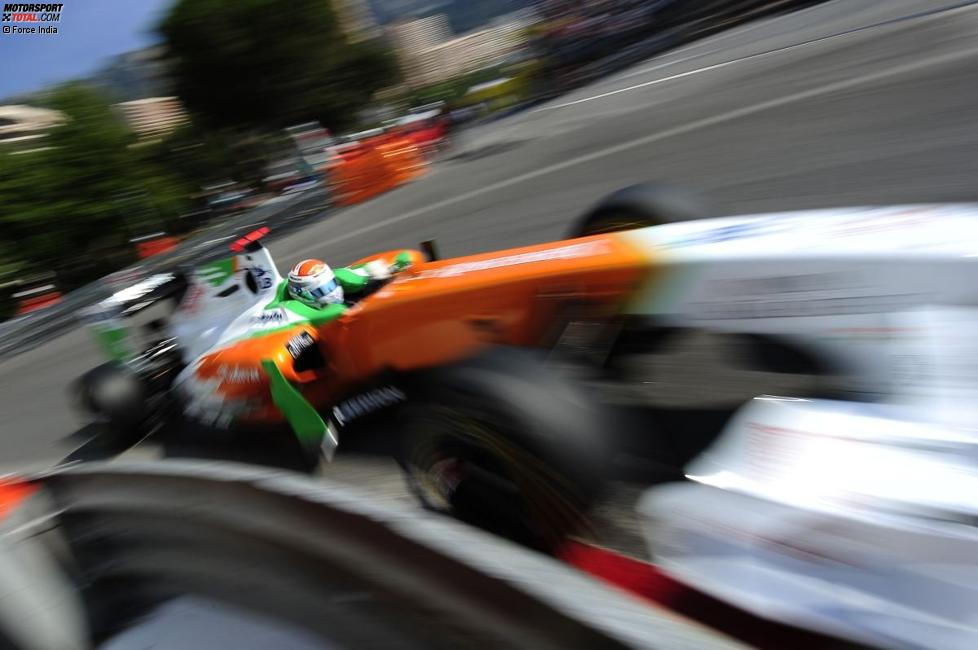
(503, 444)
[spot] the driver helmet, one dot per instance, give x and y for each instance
(312, 282)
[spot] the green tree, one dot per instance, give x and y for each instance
(72, 207)
(201, 158)
(265, 64)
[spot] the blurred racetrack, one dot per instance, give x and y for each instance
(847, 102)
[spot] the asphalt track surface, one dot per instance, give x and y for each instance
(848, 102)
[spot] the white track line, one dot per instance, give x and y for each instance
(742, 59)
(713, 40)
(645, 84)
(836, 86)
(659, 66)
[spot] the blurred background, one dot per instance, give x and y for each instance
(134, 128)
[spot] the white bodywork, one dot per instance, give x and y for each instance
(221, 306)
(887, 294)
(217, 308)
(856, 518)
(204, 320)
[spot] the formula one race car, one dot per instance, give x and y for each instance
(451, 346)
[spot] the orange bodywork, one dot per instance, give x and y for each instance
(13, 492)
(238, 367)
(373, 167)
(435, 313)
(388, 257)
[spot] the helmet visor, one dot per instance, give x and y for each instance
(315, 294)
(323, 289)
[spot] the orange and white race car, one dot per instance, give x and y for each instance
(451, 346)
(485, 425)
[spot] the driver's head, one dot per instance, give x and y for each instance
(313, 282)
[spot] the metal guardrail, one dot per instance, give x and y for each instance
(282, 214)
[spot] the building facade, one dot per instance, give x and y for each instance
(357, 20)
(153, 117)
(472, 51)
(25, 128)
(430, 53)
(413, 39)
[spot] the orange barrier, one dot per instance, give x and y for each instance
(156, 246)
(429, 137)
(27, 305)
(373, 167)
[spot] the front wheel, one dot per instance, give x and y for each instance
(641, 206)
(116, 398)
(503, 444)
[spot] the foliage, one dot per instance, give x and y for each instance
(9, 268)
(72, 206)
(196, 157)
(455, 88)
(244, 68)
(200, 158)
(454, 91)
(265, 64)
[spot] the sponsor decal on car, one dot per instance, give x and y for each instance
(299, 344)
(767, 285)
(216, 273)
(268, 318)
(818, 293)
(263, 277)
(204, 402)
(801, 307)
(722, 234)
(875, 222)
(572, 251)
(694, 234)
(239, 374)
(366, 403)
(192, 301)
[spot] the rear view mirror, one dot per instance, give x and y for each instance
(430, 250)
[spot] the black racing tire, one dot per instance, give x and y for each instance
(117, 399)
(502, 443)
(641, 206)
